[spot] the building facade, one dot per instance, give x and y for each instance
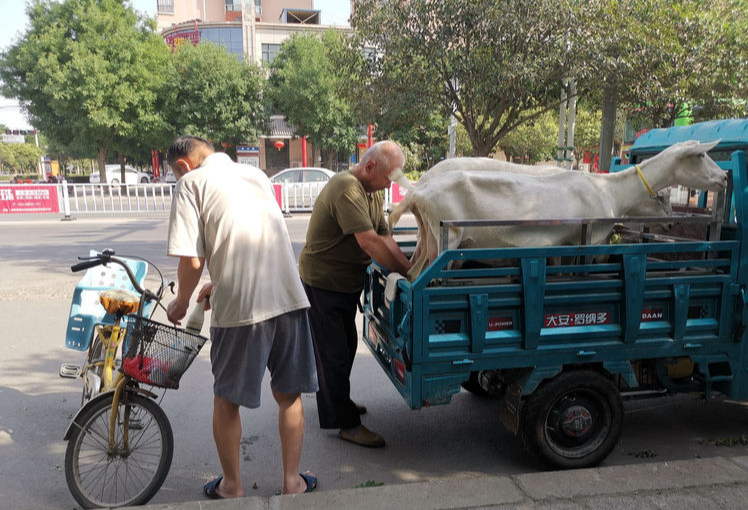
(255, 29)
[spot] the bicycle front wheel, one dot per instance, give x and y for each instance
(134, 471)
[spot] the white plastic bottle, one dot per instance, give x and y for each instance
(197, 317)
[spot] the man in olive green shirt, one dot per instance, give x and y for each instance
(347, 229)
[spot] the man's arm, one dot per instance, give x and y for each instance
(188, 276)
(384, 250)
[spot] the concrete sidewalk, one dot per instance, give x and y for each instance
(700, 484)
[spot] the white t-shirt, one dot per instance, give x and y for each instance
(227, 213)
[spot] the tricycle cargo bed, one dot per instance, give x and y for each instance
(533, 314)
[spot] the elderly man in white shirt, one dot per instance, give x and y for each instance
(225, 215)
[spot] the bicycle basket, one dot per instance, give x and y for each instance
(158, 354)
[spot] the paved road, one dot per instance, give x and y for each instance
(463, 440)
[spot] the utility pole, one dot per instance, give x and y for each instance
(40, 165)
(566, 124)
(569, 152)
(452, 129)
(248, 29)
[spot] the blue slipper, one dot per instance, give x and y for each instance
(311, 481)
(210, 488)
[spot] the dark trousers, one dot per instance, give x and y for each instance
(333, 321)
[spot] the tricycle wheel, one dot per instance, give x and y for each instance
(574, 420)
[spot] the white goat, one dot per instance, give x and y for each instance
(477, 194)
(659, 205)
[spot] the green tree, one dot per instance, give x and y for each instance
(721, 87)
(498, 64)
(400, 113)
(413, 161)
(532, 141)
(463, 146)
(660, 58)
(20, 157)
(88, 73)
(586, 132)
(7, 157)
(215, 95)
(307, 86)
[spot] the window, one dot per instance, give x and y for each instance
(229, 37)
(236, 6)
(269, 51)
(315, 176)
(165, 6)
(289, 177)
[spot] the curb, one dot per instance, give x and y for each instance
(700, 483)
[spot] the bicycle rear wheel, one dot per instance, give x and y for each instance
(130, 475)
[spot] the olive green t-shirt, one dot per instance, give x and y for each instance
(331, 258)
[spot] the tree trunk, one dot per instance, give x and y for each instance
(101, 158)
(327, 158)
(608, 128)
(123, 175)
(482, 148)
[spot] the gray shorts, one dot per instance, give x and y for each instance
(283, 344)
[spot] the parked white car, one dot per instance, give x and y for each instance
(114, 175)
(302, 184)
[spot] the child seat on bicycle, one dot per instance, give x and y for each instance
(86, 310)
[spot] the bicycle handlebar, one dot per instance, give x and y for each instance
(85, 265)
(108, 256)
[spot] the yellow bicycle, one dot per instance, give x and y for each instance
(120, 443)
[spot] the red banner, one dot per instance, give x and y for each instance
(28, 198)
(277, 188)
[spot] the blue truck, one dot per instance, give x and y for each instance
(565, 344)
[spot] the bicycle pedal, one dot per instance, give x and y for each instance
(70, 370)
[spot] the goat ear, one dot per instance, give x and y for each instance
(693, 148)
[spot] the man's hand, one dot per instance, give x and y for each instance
(384, 250)
(188, 276)
(205, 294)
(176, 311)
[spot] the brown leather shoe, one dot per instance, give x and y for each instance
(362, 437)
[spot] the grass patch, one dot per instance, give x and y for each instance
(726, 441)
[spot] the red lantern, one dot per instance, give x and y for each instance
(279, 144)
(362, 146)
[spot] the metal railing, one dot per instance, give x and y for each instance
(114, 198)
(301, 197)
(150, 198)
